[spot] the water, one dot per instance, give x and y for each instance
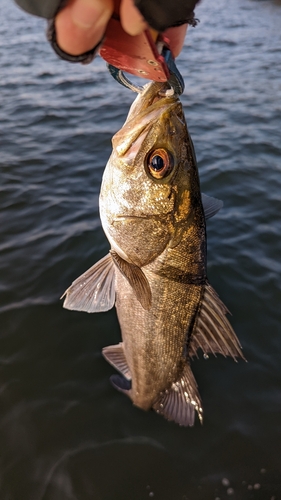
(65, 433)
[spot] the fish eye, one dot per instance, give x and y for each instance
(159, 163)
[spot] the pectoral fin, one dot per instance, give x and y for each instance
(213, 332)
(181, 400)
(136, 278)
(93, 291)
(115, 355)
(210, 205)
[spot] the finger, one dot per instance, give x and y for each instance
(81, 24)
(131, 19)
(176, 36)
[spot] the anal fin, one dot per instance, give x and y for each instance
(115, 355)
(121, 384)
(180, 401)
(213, 332)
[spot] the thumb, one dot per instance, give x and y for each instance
(81, 24)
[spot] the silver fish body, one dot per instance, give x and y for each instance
(152, 213)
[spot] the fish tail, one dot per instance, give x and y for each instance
(180, 402)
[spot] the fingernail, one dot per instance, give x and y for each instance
(86, 14)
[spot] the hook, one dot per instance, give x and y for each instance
(175, 80)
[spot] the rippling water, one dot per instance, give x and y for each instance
(65, 433)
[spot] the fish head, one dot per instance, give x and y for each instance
(146, 190)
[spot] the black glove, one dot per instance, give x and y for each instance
(160, 15)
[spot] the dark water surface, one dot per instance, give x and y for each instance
(65, 433)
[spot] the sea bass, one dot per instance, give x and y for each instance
(153, 216)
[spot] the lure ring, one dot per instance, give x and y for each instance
(175, 80)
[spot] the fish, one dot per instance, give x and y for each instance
(154, 217)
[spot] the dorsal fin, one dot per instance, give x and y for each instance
(136, 278)
(93, 291)
(213, 332)
(115, 355)
(180, 401)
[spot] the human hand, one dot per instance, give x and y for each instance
(81, 24)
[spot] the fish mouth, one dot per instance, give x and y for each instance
(157, 217)
(144, 114)
(126, 217)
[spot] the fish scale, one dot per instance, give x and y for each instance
(153, 214)
(154, 354)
